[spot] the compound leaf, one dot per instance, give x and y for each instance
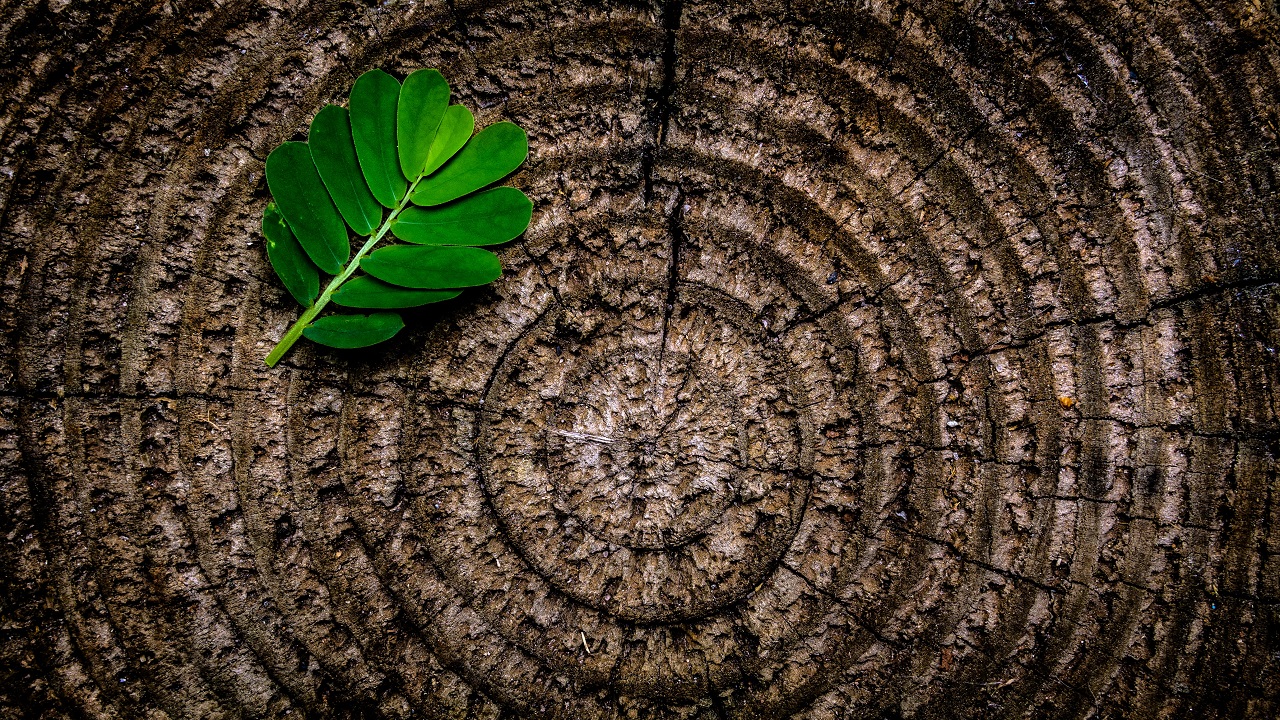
(291, 263)
(432, 267)
(303, 200)
(374, 98)
(354, 331)
(334, 154)
(487, 218)
(423, 101)
(363, 159)
(490, 156)
(455, 129)
(366, 292)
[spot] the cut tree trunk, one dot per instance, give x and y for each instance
(864, 359)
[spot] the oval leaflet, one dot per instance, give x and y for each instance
(366, 292)
(354, 331)
(487, 218)
(432, 266)
(287, 257)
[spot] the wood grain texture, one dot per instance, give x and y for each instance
(862, 360)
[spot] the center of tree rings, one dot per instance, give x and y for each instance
(646, 444)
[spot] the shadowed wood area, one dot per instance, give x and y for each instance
(864, 359)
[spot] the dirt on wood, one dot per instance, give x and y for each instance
(864, 359)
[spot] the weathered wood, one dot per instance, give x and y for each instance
(863, 360)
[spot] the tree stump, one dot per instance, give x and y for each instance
(864, 359)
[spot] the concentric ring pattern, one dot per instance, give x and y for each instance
(863, 360)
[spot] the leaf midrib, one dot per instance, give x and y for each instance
(295, 331)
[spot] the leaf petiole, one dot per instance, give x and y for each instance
(295, 330)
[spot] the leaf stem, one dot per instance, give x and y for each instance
(295, 330)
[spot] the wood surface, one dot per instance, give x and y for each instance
(863, 359)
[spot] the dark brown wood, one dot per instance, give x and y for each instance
(863, 360)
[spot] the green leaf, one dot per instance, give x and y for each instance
(365, 292)
(487, 218)
(354, 331)
(334, 153)
(301, 196)
(423, 101)
(490, 156)
(432, 267)
(362, 160)
(373, 126)
(455, 129)
(296, 271)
